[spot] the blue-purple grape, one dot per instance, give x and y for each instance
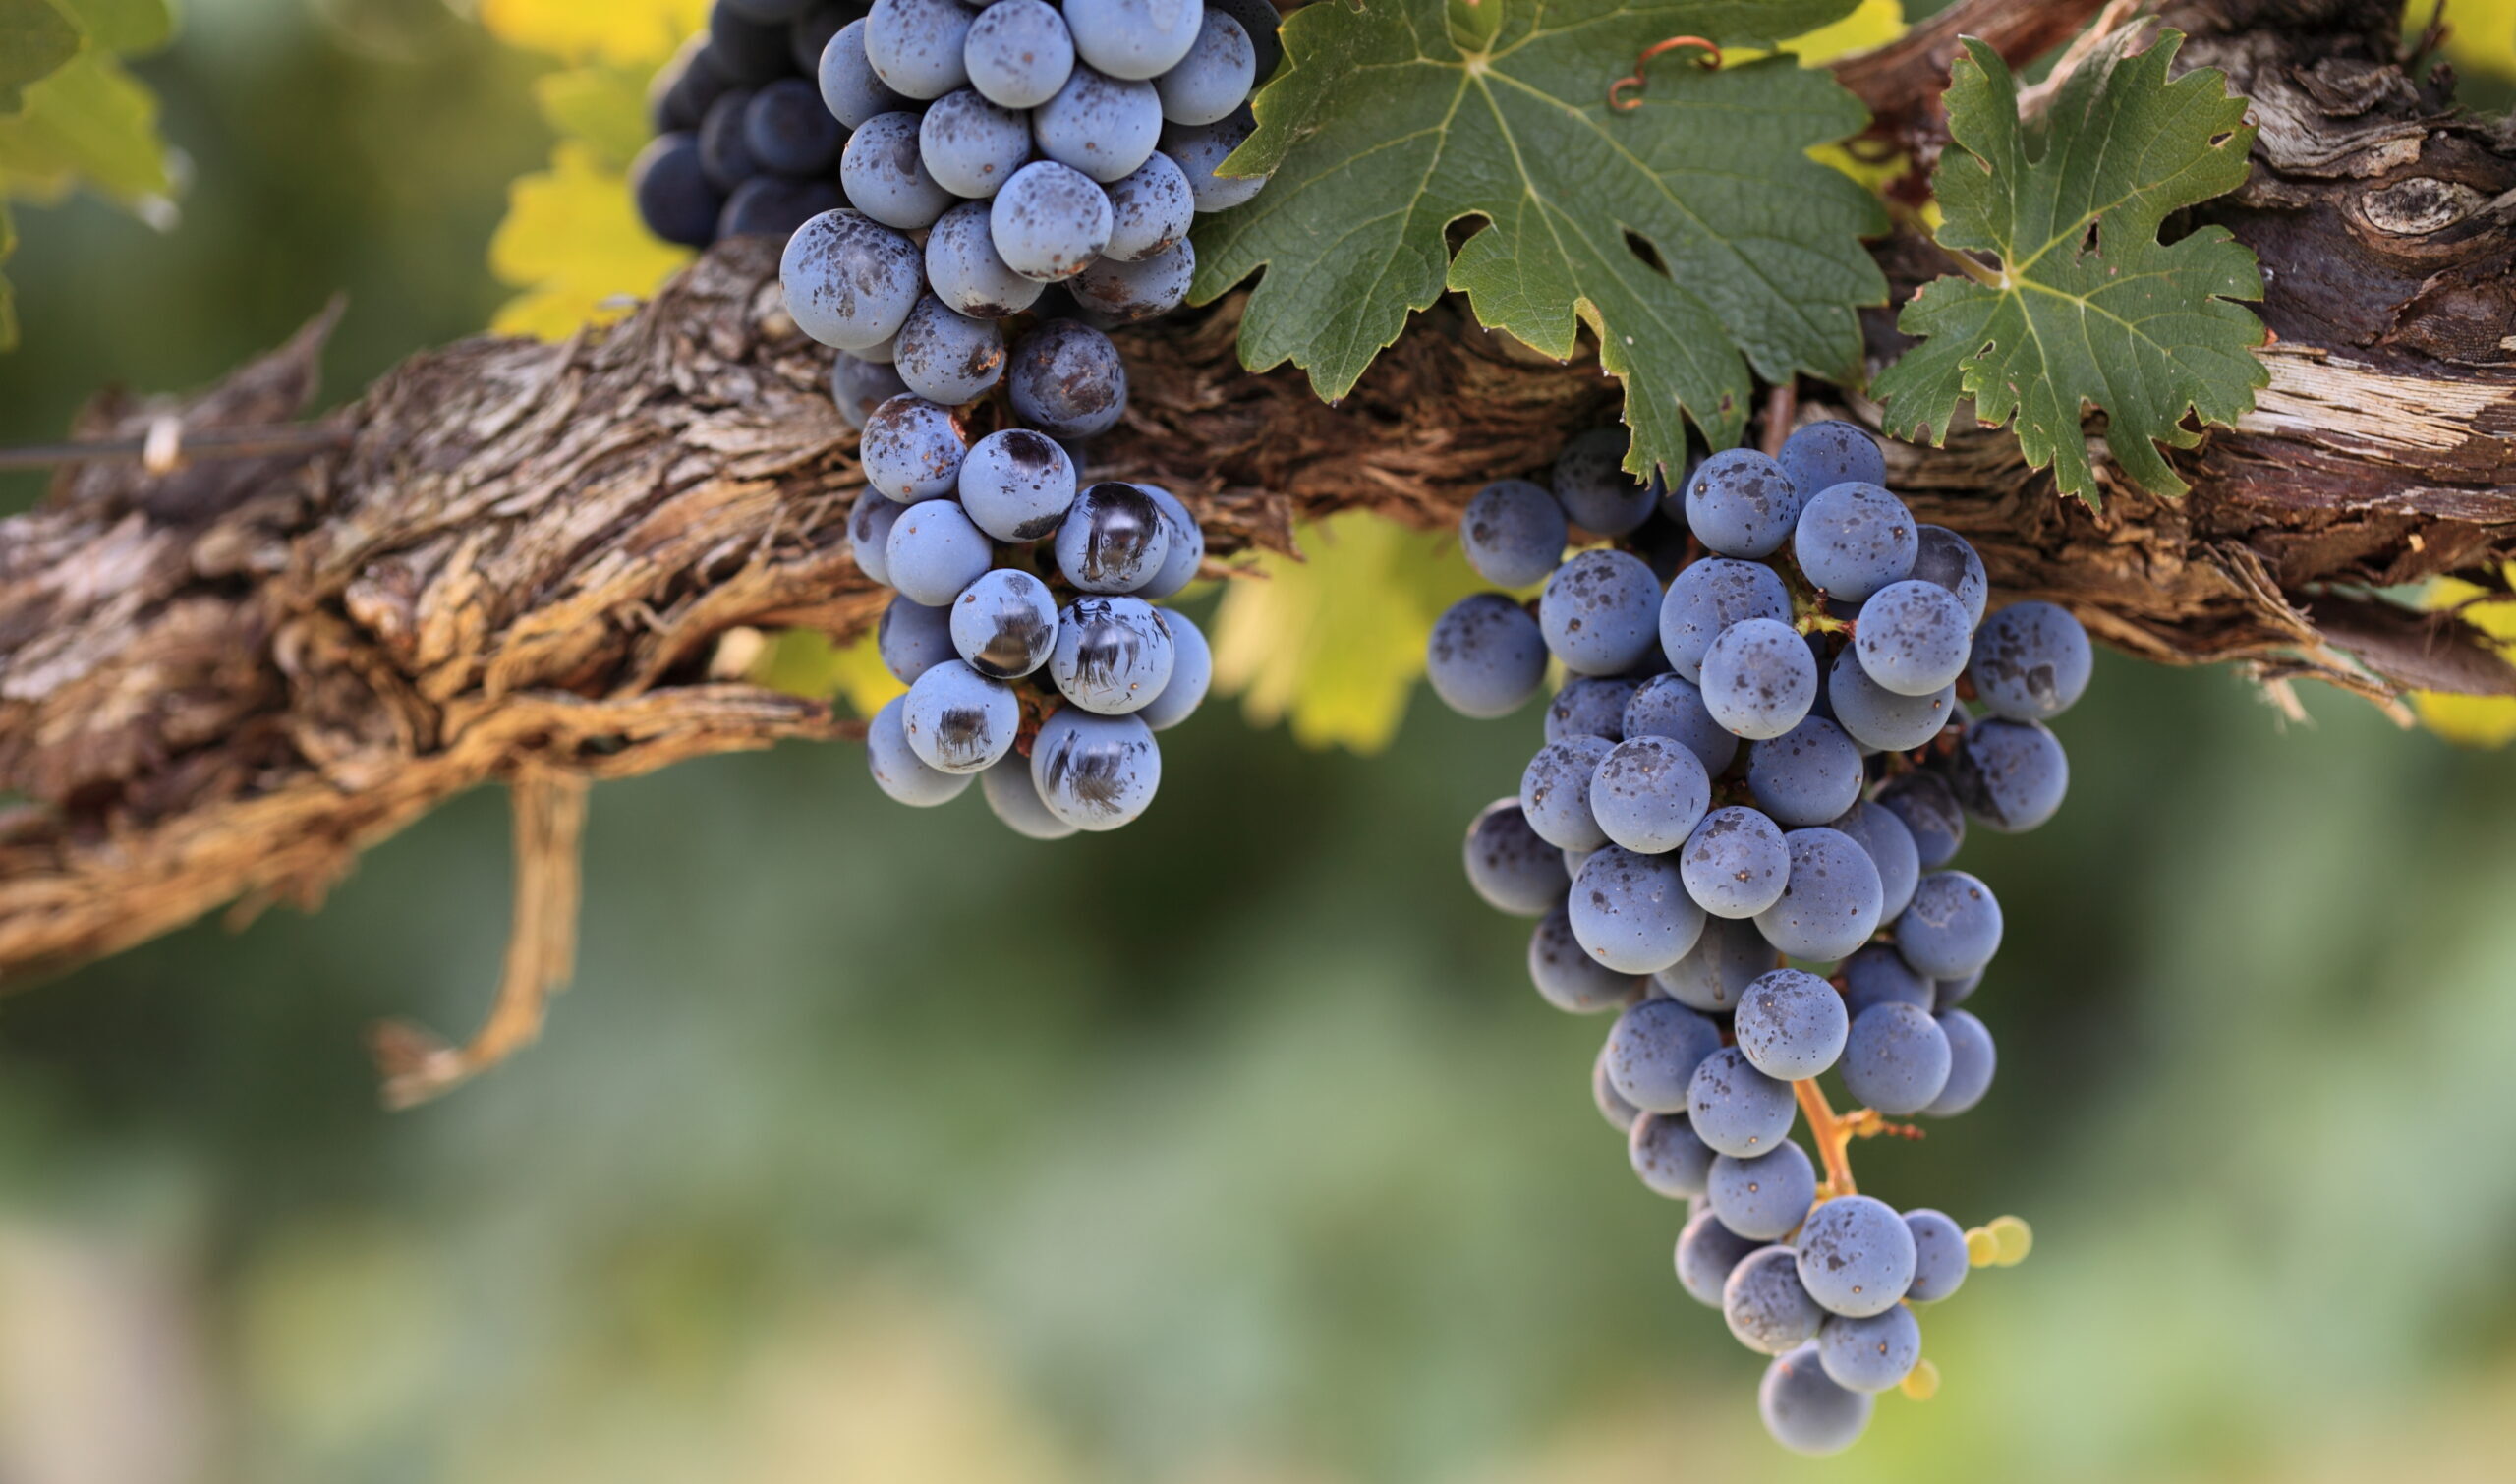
(1831, 903)
(1590, 706)
(1768, 1307)
(789, 132)
(1005, 625)
(915, 45)
(1953, 927)
(1513, 532)
(1735, 1109)
(1595, 491)
(1825, 454)
(1103, 126)
(2010, 775)
(1740, 503)
(1114, 539)
(1759, 679)
(1931, 815)
(1148, 212)
(1856, 1255)
(886, 174)
(1619, 1114)
(1050, 221)
(724, 151)
(958, 720)
(1123, 293)
(1879, 975)
(1654, 1049)
(1726, 960)
(1870, 1354)
(1600, 612)
(1805, 1411)
(898, 769)
(1736, 862)
(1568, 978)
(772, 206)
(1199, 149)
(745, 48)
(850, 88)
(911, 451)
(1883, 837)
(1853, 539)
(1214, 78)
(965, 272)
(1763, 1197)
(1810, 774)
(1017, 485)
(1486, 657)
(1508, 866)
(1095, 772)
(1707, 1253)
(1912, 637)
(1555, 790)
(1631, 912)
(1940, 1259)
(1133, 38)
(1014, 799)
(2032, 662)
(1649, 793)
(1792, 1026)
(912, 639)
(1878, 717)
(971, 146)
(1066, 380)
(868, 533)
(1184, 551)
(1949, 560)
(850, 281)
(1112, 656)
(1672, 707)
(948, 358)
(1896, 1060)
(1706, 600)
(1667, 1157)
(1972, 1060)
(674, 197)
(935, 552)
(1018, 53)
(1193, 671)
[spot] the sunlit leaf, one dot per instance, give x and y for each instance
(36, 41)
(603, 108)
(573, 241)
(90, 125)
(2474, 721)
(123, 27)
(622, 31)
(1333, 643)
(804, 662)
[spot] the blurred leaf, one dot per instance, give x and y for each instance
(2086, 306)
(36, 40)
(805, 662)
(123, 27)
(91, 124)
(1333, 643)
(622, 31)
(572, 239)
(2474, 720)
(1387, 127)
(2481, 37)
(1873, 23)
(8, 295)
(603, 108)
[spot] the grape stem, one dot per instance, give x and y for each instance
(1833, 1134)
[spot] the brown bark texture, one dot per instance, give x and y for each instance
(516, 563)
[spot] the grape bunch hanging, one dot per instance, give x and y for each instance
(950, 174)
(1736, 837)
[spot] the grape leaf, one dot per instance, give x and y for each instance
(622, 31)
(2085, 306)
(123, 27)
(35, 39)
(1390, 124)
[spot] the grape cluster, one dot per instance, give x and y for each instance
(787, 109)
(1736, 837)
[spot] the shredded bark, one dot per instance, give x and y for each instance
(516, 562)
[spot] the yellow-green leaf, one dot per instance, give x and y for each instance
(1333, 643)
(602, 107)
(1875, 22)
(573, 241)
(123, 27)
(2474, 720)
(90, 124)
(804, 662)
(36, 41)
(621, 31)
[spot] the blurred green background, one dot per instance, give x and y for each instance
(882, 1146)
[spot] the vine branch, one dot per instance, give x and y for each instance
(512, 562)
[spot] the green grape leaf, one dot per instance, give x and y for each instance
(1390, 123)
(123, 27)
(2085, 306)
(91, 124)
(36, 40)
